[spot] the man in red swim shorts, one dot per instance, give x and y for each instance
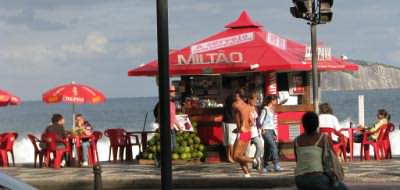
(242, 117)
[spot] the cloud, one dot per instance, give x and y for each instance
(133, 51)
(50, 58)
(196, 6)
(28, 18)
(96, 43)
(50, 4)
(73, 48)
(32, 61)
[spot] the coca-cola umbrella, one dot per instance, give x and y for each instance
(6, 99)
(73, 93)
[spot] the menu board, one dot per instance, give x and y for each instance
(205, 86)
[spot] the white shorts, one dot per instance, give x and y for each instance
(229, 135)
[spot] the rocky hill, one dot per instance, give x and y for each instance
(369, 76)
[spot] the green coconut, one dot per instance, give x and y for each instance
(175, 156)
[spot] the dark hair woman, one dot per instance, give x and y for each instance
(309, 151)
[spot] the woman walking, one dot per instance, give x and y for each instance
(268, 123)
(255, 132)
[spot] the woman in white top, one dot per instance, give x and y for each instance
(308, 152)
(326, 117)
(328, 120)
(255, 132)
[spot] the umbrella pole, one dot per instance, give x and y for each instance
(73, 141)
(73, 116)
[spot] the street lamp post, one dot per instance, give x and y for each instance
(163, 93)
(314, 60)
(307, 9)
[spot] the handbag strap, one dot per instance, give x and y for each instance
(265, 116)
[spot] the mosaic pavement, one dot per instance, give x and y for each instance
(120, 175)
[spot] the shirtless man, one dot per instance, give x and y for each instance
(242, 117)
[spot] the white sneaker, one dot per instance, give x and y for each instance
(267, 169)
(277, 168)
(85, 164)
(62, 163)
(247, 175)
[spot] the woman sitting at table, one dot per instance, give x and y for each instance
(85, 130)
(382, 119)
(327, 120)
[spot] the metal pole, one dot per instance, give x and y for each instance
(98, 184)
(163, 93)
(73, 116)
(313, 25)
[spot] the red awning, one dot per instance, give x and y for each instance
(243, 47)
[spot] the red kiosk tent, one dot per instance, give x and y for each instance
(243, 47)
(246, 48)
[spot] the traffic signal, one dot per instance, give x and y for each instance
(325, 13)
(302, 9)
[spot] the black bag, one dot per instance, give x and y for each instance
(358, 137)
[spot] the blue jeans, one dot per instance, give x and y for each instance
(85, 148)
(173, 140)
(259, 146)
(270, 148)
(316, 182)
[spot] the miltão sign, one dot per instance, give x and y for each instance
(210, 58)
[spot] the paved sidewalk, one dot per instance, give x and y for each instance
(224, 175)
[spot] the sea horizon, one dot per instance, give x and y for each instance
(130, 113)
(152, 96)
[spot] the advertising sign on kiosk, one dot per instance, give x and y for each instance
(244, 56)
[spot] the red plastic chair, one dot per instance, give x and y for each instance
(385, 145)
(118, 142)
(39, 152)
(366, 143)
(350, 141)
(51, 141)
(7, 144)
(3, 154)
(339, 147)
(3, 158)
(93, 146)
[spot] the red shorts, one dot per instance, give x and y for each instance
(245, 136)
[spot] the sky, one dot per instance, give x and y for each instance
(45, 43)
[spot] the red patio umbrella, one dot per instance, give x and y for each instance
(6, 98)
(243, 47)
(73, 93)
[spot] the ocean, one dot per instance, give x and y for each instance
(129, 113)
